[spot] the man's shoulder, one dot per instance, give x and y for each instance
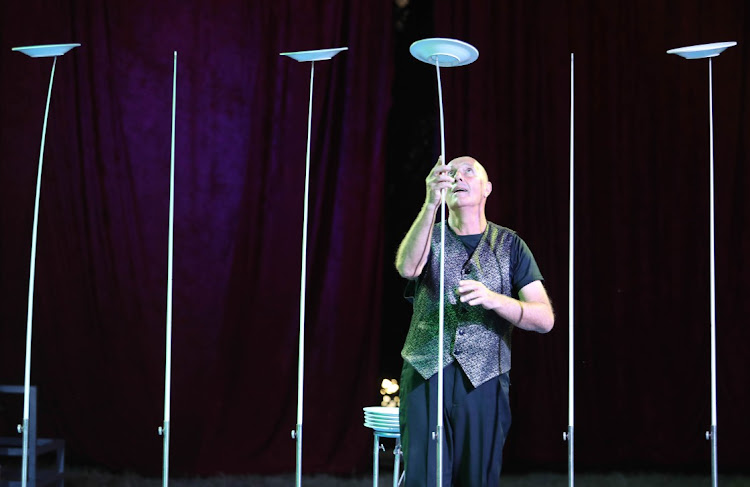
(499, 229)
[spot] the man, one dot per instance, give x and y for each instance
(492, 284)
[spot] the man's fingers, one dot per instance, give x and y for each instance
(440, 170)
(468, 295)
(465, 286)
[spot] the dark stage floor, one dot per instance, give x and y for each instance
(93, 478)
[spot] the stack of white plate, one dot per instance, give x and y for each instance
(382, 419)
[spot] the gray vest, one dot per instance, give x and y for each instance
(478, 339)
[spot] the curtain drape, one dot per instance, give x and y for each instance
(99, 324)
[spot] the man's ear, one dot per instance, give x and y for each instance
(487, 189)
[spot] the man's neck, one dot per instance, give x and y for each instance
(467, 221)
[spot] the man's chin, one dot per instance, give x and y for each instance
(457, 197)
(457, 203)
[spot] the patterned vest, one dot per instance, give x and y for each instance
(478, 339)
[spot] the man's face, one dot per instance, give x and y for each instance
(470, 186)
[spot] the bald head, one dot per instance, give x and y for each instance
(468, 160)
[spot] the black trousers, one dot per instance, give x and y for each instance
(475, 425)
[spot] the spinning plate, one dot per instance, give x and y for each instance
(48, 50)
(448, 52)
(316, 55)
(701, 51)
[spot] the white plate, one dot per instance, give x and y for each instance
(382, 428)
(701, 51)
(47, 50)
(381, 415)
(449, 52)
(382, 421)
(381, 410)
(316, 55)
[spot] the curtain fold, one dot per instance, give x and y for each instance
(642, 156)
(99, 321)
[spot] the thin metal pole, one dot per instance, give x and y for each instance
(32, 271)
(571, 289)
(397, 462)
(375, 459)
(168, 365)
(297, 433)
(714, 467)
(441, 318)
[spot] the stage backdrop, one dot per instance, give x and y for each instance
(99, 338)
(642, 276)
(642, 213)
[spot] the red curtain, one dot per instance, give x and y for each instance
(642, 216)
(100, 306)
(642, 193)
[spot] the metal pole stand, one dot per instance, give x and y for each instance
(304, 56)
(447, 53)
(49, 50)
(709, 51)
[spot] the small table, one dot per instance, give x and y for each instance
(13, 447)
(396, 452)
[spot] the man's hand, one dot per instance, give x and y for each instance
(475, 293)
(438, 179)
(532, 312)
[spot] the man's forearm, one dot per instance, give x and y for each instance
(526, 315)
(533, 311)
(415, 247)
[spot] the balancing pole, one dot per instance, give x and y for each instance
(438, 434)
(700, 52)
(302, 56)
(568, 436)
(50, 50)
(448, 53)
(164, 429)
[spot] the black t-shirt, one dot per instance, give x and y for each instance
(524, 269)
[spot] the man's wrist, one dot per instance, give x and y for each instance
(429, 207)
